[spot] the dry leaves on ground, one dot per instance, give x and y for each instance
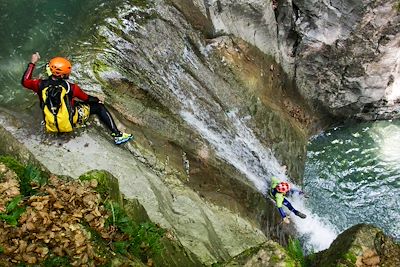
(53, 221)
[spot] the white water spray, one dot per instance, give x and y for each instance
(316, 232)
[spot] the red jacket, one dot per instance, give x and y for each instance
(35, 85)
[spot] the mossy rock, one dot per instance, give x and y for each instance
(174, 254)
(108, 186)
(135, 210)
(360, 245)
(124, 262)
(10, 146)
(269, 254)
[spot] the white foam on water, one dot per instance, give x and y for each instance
(316, 233)
(387, 138)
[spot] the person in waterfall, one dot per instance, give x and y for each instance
(65, 105)
(278, 192)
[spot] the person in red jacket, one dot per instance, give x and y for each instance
(59, 69)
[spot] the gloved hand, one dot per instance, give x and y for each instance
(286, 220)
(93, 99)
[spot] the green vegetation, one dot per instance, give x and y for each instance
(142, 3)
(13, 211)
(295, 251)
(29, 176)
(13, 164)
(56, 261)
(30, 179)
(349, 256)
(107, 186)
(142, 241)
(397, 5)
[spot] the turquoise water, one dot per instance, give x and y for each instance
(352, 175)
(51, 27)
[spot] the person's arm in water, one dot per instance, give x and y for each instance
(294, 191)
(27, 81)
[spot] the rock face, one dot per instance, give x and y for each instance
(343, 55)
(268, 254)
(348, 58)
(362, 246)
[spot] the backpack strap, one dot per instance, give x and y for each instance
(47, 82)
(69, 97)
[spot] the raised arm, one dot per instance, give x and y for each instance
(27, 81)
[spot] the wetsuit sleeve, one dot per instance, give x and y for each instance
(27, 80)
(78, 93)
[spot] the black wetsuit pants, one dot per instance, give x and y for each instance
(104, 116)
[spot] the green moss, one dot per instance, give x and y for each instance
(141, 3)
(350, 257)
(13, 164)
(28, 176)
(107, 187)
(99, 244)
(397, 6)
(275, 259)
(56, 261)
(291, 263)
(295, 251)
(99, 66)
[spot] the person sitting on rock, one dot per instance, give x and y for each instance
(59, 100)
(277, 192)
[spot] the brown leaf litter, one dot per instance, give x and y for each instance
(52, 223)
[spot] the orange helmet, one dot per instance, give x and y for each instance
(60, 66)
(283, 187)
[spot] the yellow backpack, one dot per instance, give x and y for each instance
(58, 114)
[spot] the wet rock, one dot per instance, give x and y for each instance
(269, 254)
(361, 245)
(342, 55)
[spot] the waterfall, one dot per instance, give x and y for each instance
(236, 143)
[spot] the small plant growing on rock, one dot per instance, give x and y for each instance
(143, 240)
(13, 211)
(296, 251)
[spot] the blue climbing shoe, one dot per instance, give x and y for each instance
(122, 138)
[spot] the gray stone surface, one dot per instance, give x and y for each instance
(343, 55)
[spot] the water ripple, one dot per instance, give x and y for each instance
(355, 171)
